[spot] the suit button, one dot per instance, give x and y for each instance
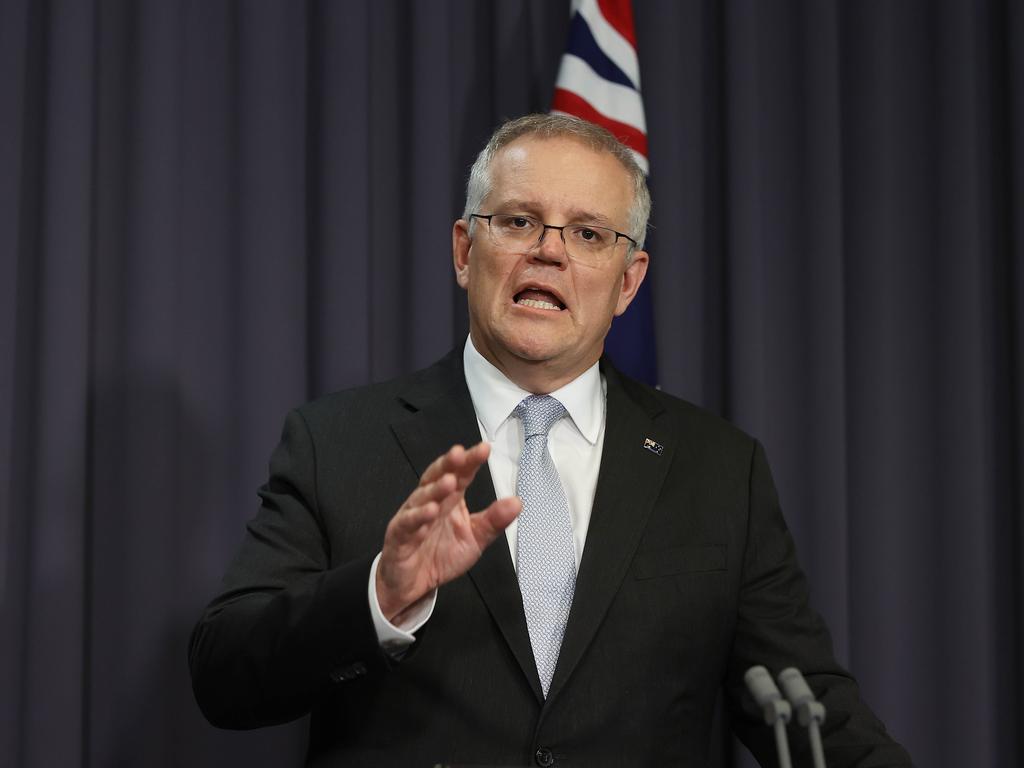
(351, 672)
(544, 757)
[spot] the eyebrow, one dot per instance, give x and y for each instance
(577, 215)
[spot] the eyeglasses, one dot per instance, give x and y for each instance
(586, 243)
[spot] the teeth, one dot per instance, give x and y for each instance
(537, 304)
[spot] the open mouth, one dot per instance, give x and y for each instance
(538, 299)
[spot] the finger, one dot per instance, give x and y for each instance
(464, 469)
(477, 454)
(435, 491)
(406, 523)
(442, 464)
(489, 523)
(462, 462)
(470, 462)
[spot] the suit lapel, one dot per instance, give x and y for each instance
(629, 482)
(439, 414)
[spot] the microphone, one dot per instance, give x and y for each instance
(810, 712)
(776, 710)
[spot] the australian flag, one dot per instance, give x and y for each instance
(599, 81)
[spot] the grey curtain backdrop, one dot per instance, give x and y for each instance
(211, 211)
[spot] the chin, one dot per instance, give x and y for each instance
(534, 350)
(531, 344)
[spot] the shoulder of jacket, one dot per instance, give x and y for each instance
(373, 398)
(694, 420)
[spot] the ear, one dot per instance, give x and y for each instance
(461, 241)
(632, 277)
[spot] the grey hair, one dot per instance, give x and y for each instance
(561, 126)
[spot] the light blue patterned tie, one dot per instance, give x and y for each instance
(545, 560)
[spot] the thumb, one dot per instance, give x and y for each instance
(490, 522)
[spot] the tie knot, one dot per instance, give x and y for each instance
(538, 413)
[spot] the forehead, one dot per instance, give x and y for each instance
(561, 176)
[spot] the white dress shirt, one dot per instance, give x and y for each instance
(575, 445)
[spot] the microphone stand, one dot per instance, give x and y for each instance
(809, 711)
(776, 710)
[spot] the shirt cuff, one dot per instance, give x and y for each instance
(395, 639)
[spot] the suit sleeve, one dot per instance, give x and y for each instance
(287, 627)
(777, 627)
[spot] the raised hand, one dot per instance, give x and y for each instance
(433, 538)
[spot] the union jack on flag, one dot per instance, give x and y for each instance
(599, 81)
(599, 78)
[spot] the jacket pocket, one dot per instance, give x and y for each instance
(685, 559)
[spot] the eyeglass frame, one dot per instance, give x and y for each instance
(561, 229)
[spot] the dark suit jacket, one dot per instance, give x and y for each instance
(688, 578)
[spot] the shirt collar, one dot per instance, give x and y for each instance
(495, 396)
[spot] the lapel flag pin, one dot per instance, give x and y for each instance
(653, 447)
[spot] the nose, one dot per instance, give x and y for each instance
(551, 246)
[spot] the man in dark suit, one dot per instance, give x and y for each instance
(574, 589)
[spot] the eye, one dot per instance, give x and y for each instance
(512, 223)
(589, 236)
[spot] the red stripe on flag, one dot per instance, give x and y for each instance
(619, 13)
(567, 101)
